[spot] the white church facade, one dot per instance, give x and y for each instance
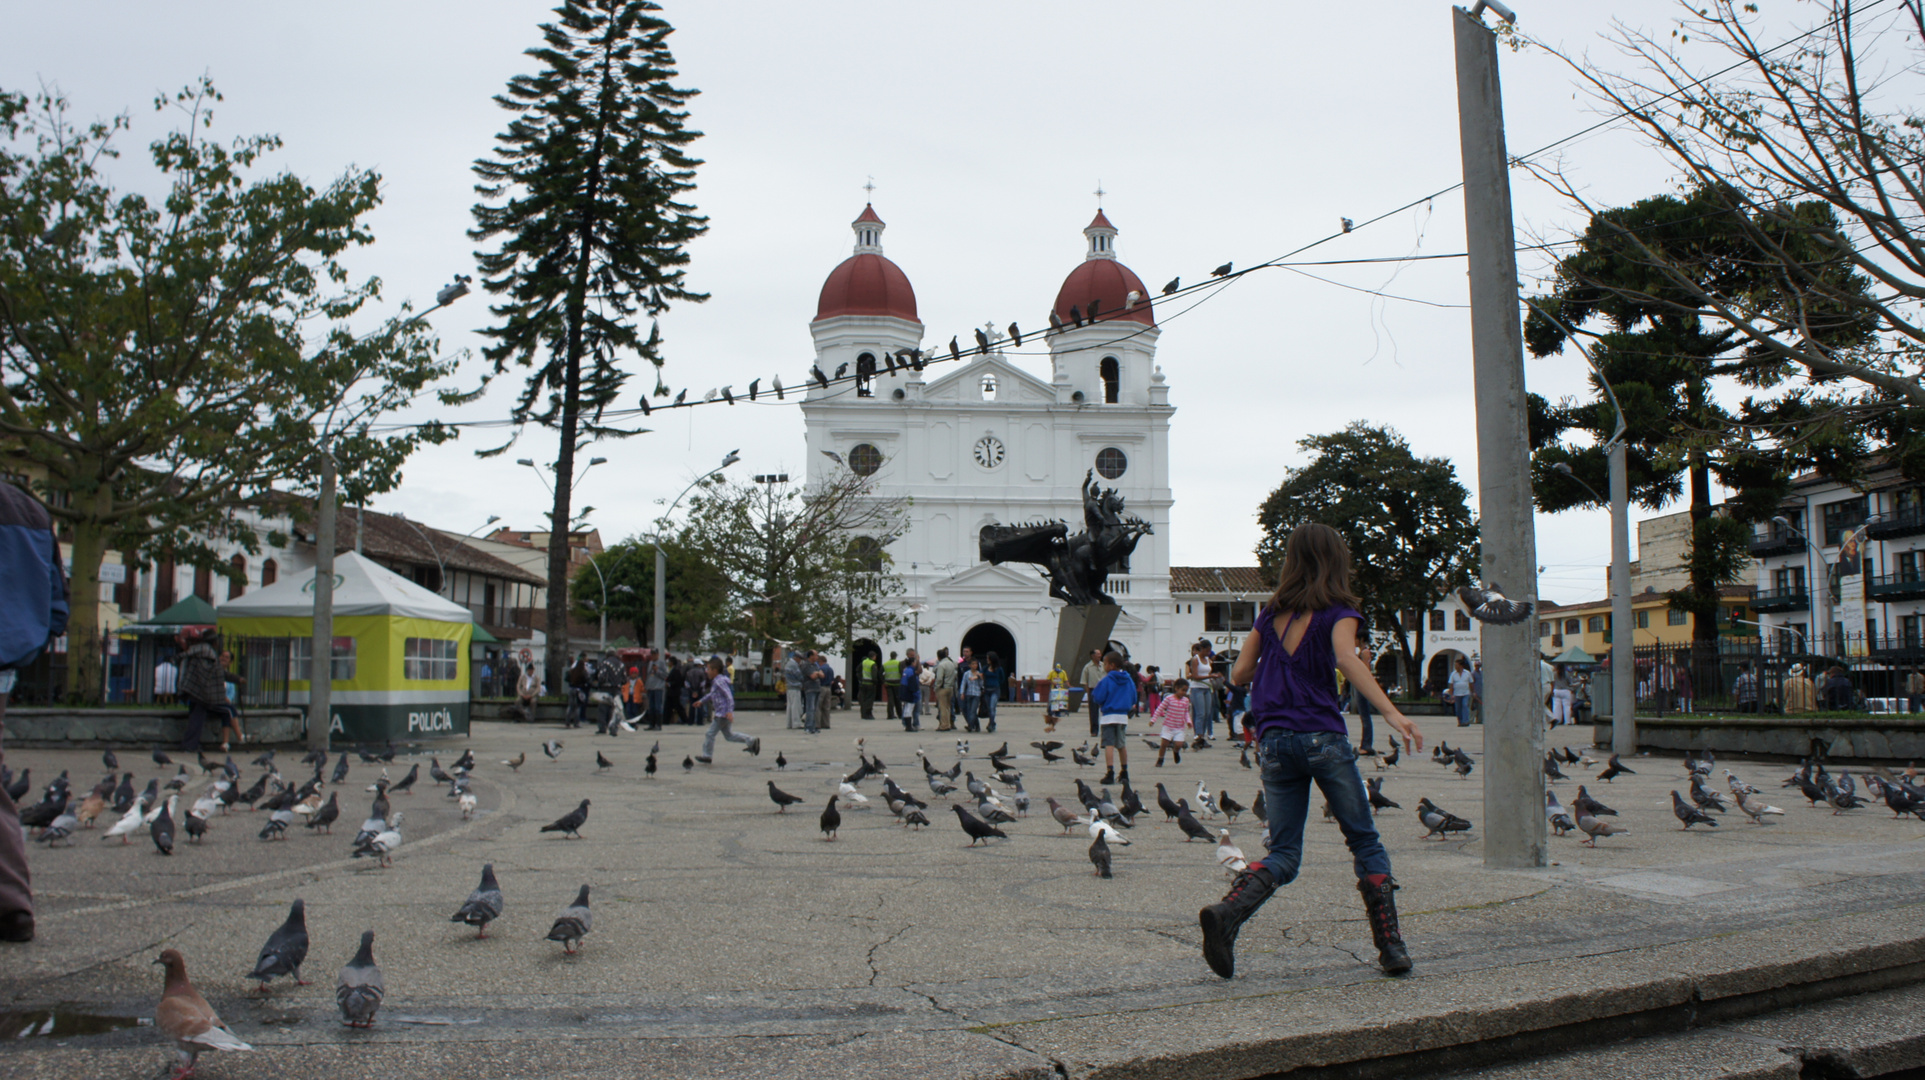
(985, 441)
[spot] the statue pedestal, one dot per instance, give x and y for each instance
(1082, 628)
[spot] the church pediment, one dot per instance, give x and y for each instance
(984, 577)
(1013, 384)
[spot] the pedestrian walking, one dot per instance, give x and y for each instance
(945, 690)
(1172, 714)
(33, 611)
(792, 680)
(831, 691)
(1562, 697)
(870, 674)
(719, 701)
(909, 692)
(576, 678)
(971, 694)
(1203, 693)
(1093, 672)
(201, 684)
(994, 682)
(1308, 626)
(1114, 696)
(1459, 691)
(812, 688)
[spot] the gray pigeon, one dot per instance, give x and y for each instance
(573, 923)
(1064, 816)
(359, 988)
(483, 906)
(1594, 828)
(1689, 814)
(285, 949)
(1099, 856)
(1438, 821)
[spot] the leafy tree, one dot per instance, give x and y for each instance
(155, 366)
(804, 565)
(1666, 362)
(584, 193)
(697, 595)
(1407, 521)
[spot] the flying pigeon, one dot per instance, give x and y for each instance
(483, 906)
(184, 1016)
(573, 923)
(1099, 856)
(832, 819)
(976, 829)
(552, 748)
(359, 987)
(285, 949)
(1688, 814)
(570, 823)
(1489, 604)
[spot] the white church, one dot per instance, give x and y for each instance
(986, 441)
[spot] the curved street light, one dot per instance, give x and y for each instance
(661, 560)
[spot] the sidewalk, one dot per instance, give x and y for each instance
(733, 941)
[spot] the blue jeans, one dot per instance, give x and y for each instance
(809, 699)
(989, 710)
(971, 704)
(1463, 711)
(1203, 712)
(1291, 760)
(1364, 710)
(655, 701)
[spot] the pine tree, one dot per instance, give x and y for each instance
(584, 193)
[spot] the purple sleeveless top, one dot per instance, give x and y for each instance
(1297, 692)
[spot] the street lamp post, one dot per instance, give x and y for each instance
(661, 560)
(320, 710)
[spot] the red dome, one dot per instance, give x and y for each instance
(1109, 283)
(867, 284)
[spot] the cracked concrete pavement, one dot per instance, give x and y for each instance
(731, 940)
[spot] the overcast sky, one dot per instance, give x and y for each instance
(1219, 131)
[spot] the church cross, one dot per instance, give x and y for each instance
(870, 187)
(1100, 193)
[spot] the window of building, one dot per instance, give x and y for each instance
(1674, 617)
(1594, 624)
(1799, 633)
(1111, 463)
(1543, 628)
(865, 459)
(1436, 620)
(1644, 620)
(1838, 633)
(204, 583)
(270, 573)
(1871, 632)
(435, 659)
(127, 591)
(166, 586)
(1229, 616)
(428, 577)
(237, 585)
(488, 603)
(1908, 566)
(1571, 626)
(866, 553)
(1841, 517)
(1460, 620)
(1908, 631)
(1909, 504)
(301, 652)
(1111, 372)
(1788, 579)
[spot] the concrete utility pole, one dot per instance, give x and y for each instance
(1514, 826)
(1624, 701)
(320, 678)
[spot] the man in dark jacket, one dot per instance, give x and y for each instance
(203, 685)
(33, 611)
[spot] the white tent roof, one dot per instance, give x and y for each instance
(361, 587)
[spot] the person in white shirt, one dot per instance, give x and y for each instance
(1460, 691)
(166, 682)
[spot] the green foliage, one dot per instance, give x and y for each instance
(156, 367)
(697, 594)
(1407, 521)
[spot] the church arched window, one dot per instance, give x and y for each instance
(1111, 372)
(866, 553)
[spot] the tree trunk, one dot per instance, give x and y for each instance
(84, 655)
(1704, 621)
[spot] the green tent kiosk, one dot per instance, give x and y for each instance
(400, 663)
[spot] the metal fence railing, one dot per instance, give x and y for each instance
(1855, 672)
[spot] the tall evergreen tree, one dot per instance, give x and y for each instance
(584, 191)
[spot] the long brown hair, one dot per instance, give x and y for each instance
(1316, 571)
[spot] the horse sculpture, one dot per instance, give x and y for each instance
(1077, 565)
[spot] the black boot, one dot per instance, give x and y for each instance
(1124, 776)
(1380, 904)
(1221, 920)
(1109, 777)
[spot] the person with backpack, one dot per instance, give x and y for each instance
(33, 611)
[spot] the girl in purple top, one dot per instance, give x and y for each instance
(1303, 636)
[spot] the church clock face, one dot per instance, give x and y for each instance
(989, 451)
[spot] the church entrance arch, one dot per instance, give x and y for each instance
(985, 638)
(1437, 675)
(863, 649)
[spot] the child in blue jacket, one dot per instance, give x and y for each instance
(1114, 695)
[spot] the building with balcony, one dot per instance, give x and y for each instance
(1588, 625)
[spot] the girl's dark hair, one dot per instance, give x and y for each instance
(1316, 571)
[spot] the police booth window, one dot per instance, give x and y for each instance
(1229, 616)
(429, 658)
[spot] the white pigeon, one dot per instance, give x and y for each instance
(387, 840)
(1228, 855)
(205, 806)
(467, 804)
(1204, 802)
(1099, 827)
(154, 814)
(128, 822)
(852, 796)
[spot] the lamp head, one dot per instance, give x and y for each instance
(492, 518)
(530, 462)
(1562, 467)
(731, 458)
(597, 461)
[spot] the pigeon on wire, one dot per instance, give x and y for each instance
(570, 824)
(1489, 604)
(573, 923)
(1614, 769)
(359, 988)
(1593, 828)
(1438, 821)
(1099, 856)
(1688, 814)
(1229, 855)
(977, 830)
(184, 1016)
(483, 906)
(832, 819)
(285, 949)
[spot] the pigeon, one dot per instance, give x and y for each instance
(1739, 786)
(407, 782)
(1347, 224)
(815, 372)
(832, 819)
(1463, 764)
(108, 759)
(1081, 758)
(552, 748)
(573, 923)
(277, 823)
(648, 767)
(688, 763)
(1204, 802)
(324, 818)
(1172, 285)
(570, 823)
(184, 1016)
(381, 842)
(42, 813)
(1570, 758)
(1593, 828)
(1015, 335)
(1554, 813)
(1231, 808)
(515, 762)
(1842, 800)
(782, 799)
(1256, 808)
(1438, 821)
(1489, 604)
(1756, 808)
(1704, 797)
(1064, 816)
(60, 828)
(18, 787)
(976, 829)
(1099, 856)
(162, 828)
(1228, 855)
(1132, 804)
(1221, 271)
(1378, 800)
(1584, 804)
(1614, 769)
(125, 827)
(602, 763)
(974, 786)
(939, 785)
(195, 823)
(1192, 829)
(781, 761)
(161, 758)
(359, 987)
(681, 397)
(1166, 804)
(124, 794)
(1099, 827)
(1095, 305)
(1047, 749)
(1551, 772)
(285, 949)
(483, 906)
(994, 813)
(755, 388)
(341, 769)
(466, 803)
(1688, 814)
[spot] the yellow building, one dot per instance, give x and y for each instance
(1588, 625)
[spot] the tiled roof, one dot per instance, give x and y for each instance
(1246, 580)
(394, 539)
